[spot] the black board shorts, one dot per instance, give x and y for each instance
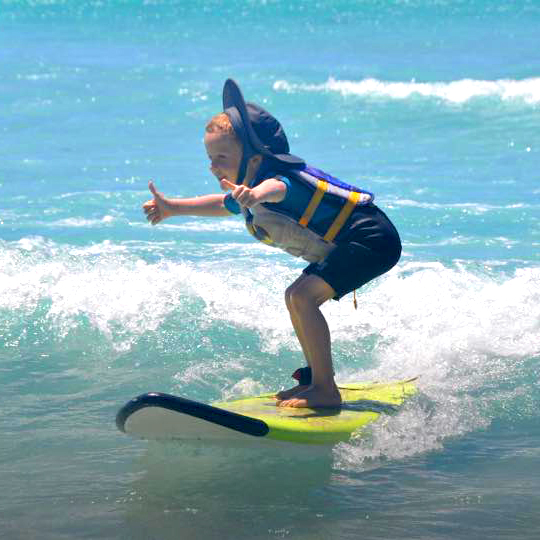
(368, 247)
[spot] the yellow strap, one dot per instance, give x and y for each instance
(346, 211)
(259, 233)
(316, 199)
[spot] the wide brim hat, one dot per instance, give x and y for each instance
(258, 130)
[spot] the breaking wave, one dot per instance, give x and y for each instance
(457, 92)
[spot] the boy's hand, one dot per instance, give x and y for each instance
(243, 195)
(158, 208)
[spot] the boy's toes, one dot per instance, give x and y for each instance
(287, 394)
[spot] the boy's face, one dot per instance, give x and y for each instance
(225, 154)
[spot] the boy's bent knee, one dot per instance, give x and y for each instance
(307, 292)
(298, 298)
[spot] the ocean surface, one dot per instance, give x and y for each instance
(432, 104)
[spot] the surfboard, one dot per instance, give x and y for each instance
(156, 415)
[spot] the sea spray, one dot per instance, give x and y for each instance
(474, 343)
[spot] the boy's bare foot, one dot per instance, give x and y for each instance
(287, 394)
(313, 396)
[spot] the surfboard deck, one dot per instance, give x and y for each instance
(156, 415)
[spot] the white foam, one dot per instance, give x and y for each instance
(469, 335)
(244, 388)
(468, 330)
(460, 240)
(221, 225)
(36, 76)
(110, 287)
(470, 207)
(82, 222)
(102, 283)
(416, 429)
(458, 92)
(407, 306)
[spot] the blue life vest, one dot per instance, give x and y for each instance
(309, 226)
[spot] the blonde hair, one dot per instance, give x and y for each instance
(220, 123)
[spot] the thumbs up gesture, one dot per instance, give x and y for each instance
(158, 208)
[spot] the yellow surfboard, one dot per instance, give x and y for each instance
(163, 416)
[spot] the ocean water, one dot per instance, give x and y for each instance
(432, 104)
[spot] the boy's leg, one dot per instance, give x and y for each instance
(304, 297)
(299, 331)
(286, 394)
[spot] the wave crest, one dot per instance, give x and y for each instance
(458, 92)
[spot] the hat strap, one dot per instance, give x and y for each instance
(247, 151)
(247, 154)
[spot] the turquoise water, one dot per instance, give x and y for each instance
(433, 105)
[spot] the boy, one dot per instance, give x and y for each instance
(286, 203)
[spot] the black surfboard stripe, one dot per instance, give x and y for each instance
(235, 421)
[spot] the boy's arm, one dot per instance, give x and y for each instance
(271, 190)
(161, 207)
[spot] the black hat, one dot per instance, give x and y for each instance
(258, 130)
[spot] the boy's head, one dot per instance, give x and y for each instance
(255, 130)
(225, 150)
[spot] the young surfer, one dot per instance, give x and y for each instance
(347, 240)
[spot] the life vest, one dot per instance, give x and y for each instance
(295, 232)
